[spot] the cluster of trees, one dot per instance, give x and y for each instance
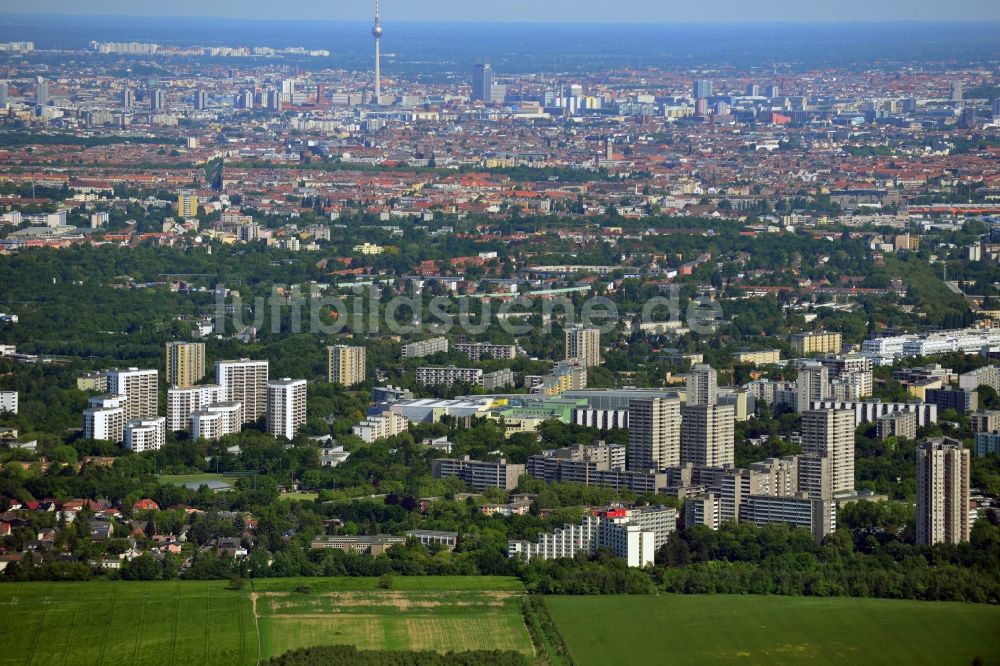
(348, 655)
(873, 561)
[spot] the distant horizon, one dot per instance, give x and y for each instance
(404, 17)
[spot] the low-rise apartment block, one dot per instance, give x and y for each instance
(627, 533)
(479, 474)
(476, 351)
(758, 357)
(379, 427)
(424, 348)
(818, 342)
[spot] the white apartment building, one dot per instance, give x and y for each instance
(244, 381)
(8, 402)
(182, 402)
(286, 407)
(702, 385)
(628, 534)
(965, 340)
(141, 389)
(379, 427)
(424, 348)
(813, 383)
(104, 419)
(449, 376)
(477, 351)
(985, 376)
(216, 421)
(602, 419)
(143, 435)
(869, 411)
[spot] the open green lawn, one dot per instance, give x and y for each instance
(443, 614)
(679, 629)
(204, 622)
(299, 497)
(170, 622)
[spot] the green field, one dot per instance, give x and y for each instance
(678, 629)
(299, 497)
(443, 614)
(204, 622)
(53, 624)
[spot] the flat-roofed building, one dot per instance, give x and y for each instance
(708, 435)
(602, 419)
(654, 434)
(960, 400)
(8, 402)
(381, 426)
(104, 418)
(818, 342)
(815, 514)
(93, 381)
(182, 402)
(830, 432)
(286, 407)
(564, 376)
(943, 472)
(898, 424)
(450, 375)
(479, 474)
(758, 357)
(987, 443)
(424, 348)
(374, 545)
(583, 345)
(143, 435)
(476, 351)
(346, 365)
(702, 385)
(141, 389)
(869, 411)
(185, 363)
(244, 381)
(815, 475)
(498, 379)
(448, 540)
(626, 533)
(702, 510)
(985, 421)
(216, 421)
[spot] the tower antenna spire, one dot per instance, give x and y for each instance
(377, 34)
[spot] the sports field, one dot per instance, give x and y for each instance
(204, 622)
(443, 614)
(678, 629)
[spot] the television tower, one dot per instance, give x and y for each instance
(377, 34)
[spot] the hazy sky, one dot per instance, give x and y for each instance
(594, 11)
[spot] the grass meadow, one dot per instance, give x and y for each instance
(682, 629)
